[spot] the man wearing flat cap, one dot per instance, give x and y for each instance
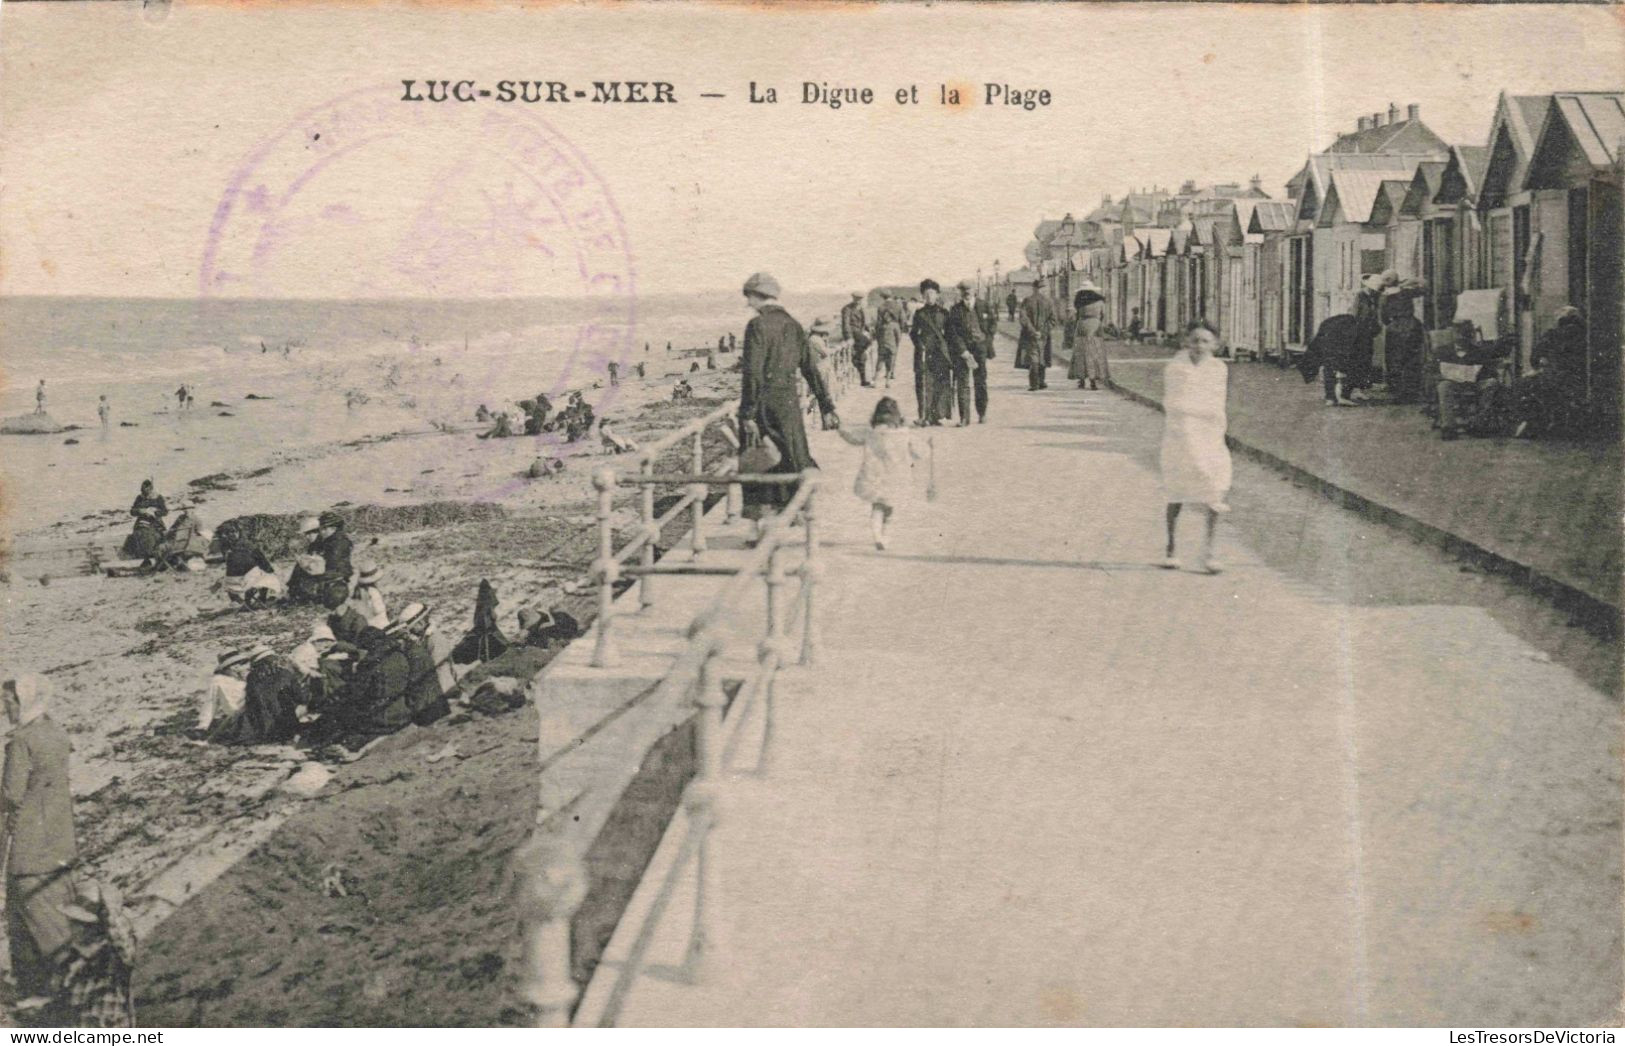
(933, 359)
(890, 323)
(855, 329)
(1037, 318)
(967, 345)
(775, 351)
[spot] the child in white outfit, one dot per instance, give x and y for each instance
(889, 453)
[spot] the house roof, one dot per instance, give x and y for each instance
(1272, 216)
(1390, 199)
(1156, 241)
(1356, 192)
(1401, 136)
(1322, 166)
(1463, 175)
(1046, 229)
(1517, 122)
(1590, 123)
(1422, 187)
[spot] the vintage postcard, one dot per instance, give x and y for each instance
(865, 514)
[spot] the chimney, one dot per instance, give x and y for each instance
(1393, 113)
(1413, 112)
(1363, 123)
(1256, 183)
(1376, 120)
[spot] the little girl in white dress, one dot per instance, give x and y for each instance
(889, 453)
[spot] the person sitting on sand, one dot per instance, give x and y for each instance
(425, 692)
(547, 630)
(149, 511)
(501, 430)
(305, 583)
(223, 699)
(307, 656)
(376, 704)
(368, 600)
(334, 546)
(483, 414)
(273, 690)
(682, 391)
(185, 544)
(617, 444)
(485, 640)
(250, 578)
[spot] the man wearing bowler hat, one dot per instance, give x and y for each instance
(776, 350)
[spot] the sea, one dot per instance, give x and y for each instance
(271, 378)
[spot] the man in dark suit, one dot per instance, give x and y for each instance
(967, 348)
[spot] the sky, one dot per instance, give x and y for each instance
(122, 129)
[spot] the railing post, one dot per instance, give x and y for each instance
(770, 654)
(605, 567)
(651, 536)
(812, 568)
(702, 801)
(548, 889)
(700, 490)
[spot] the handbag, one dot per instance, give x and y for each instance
(761, 456)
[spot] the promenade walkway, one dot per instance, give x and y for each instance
(1551, 506)
(1037, 780)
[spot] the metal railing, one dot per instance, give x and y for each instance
(551, 879)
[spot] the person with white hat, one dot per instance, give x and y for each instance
(224, 697)
(367, 599)
(425, 694)
(273, 690)
(775, 351)
(41, 846)
(305, 583)
(1089, 366)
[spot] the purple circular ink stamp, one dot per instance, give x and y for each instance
(478, 200)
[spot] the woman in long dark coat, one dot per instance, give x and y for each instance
(776, 350)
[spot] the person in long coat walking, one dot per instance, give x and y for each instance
(41, 847)
(1088, 364)
(933, 358)
(1195, 461)
(1037, 317)
(776, 350)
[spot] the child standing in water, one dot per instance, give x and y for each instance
(889, 453)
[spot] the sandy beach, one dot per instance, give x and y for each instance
(159, 814)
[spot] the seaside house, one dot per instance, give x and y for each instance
(1273, 221)
(1322, 252)
(1571, 190)
(1505, 208)
(1453, 255)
